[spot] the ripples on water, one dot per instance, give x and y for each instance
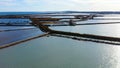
(57, 52)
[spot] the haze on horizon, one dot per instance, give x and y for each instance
(59, 5)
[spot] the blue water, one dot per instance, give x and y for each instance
(15, 21)
(27, 13)
(7, 37)
(19, 13)
(59, 52)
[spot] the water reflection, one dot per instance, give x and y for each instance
(104, 30)
(87, 39)
(111, 58)
(47, 53)
(11, 34)
(59, 52)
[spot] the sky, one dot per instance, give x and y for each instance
(59, 5)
